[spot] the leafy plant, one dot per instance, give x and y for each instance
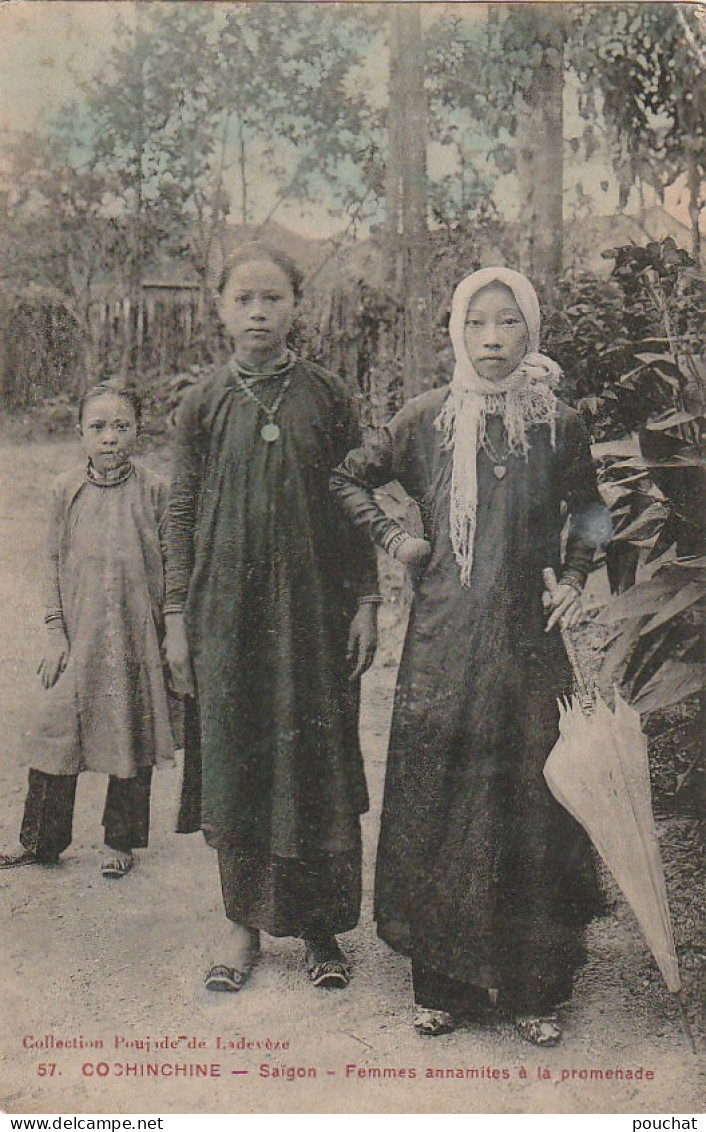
(657, 496)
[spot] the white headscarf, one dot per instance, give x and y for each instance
(521, 399)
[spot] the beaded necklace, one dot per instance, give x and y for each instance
(246, 378)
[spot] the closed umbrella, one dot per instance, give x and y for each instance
(599, 771)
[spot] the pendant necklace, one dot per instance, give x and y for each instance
(270, 431)
(499, 468)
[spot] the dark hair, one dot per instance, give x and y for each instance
(116, 388)
(257, 251)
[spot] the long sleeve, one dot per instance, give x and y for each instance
(359, 555)
(162, 508)
(187, 464)
(385, 457)
(53, 608)
(589, 519)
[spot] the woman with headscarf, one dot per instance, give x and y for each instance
(483, 880)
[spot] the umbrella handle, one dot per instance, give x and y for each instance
(585, 692)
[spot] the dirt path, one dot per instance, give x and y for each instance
(120, 963)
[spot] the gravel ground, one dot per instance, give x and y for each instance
(89, 961)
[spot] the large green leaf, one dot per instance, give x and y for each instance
(646, 525)
(612, 492)
(673, 641)
(624, 448)
(641, 600)
(663, 359)
(634, 478)
(618, 650)
(670, 685)
(691, 593)
(671, 420)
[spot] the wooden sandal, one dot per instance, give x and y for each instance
(432, 1023)
(222, 978)
(326, 964)
(539, 1031)
(117, 867)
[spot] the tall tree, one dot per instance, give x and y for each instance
(498, 82)
(540, 144)
(126, 114)
(647, 61)
(55, 232)
(408, 204)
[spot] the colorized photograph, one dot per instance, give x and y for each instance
(352, 557)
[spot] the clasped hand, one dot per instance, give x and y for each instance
(176, 650)
(565, 605)
(362, 640)
(56, 656)
(413, 551)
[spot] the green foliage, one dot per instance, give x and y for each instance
(644, 59)
(629, 345)
(655, 652)
(479, 73)
(469, 117)
(658, 496)
(583, 329)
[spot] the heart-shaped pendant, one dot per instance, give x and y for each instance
(499, 471)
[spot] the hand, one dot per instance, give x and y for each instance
(363, 639)
(413, 551)
(56, 656)
(176, 650)
(566, 606)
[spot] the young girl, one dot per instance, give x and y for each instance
(482, 878)
(271, 603)
(104, 702)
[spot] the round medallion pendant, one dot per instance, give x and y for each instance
(270, 432)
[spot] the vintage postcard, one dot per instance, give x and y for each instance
(231, 231)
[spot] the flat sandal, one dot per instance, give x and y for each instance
(222, 978)
(539, 1031)
(432, 1023)
(117, 867)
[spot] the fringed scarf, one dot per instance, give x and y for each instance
(523, 399)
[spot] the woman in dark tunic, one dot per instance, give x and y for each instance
(271, 600)
(482, 878)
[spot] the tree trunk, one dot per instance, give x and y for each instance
(132, 358)
(393, 164)
(243, 176)
(408, 119)
(540, 142)
(694, 189)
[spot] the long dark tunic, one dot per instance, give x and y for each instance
(268, 573)
(481, 876)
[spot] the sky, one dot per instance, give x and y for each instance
(47, 47)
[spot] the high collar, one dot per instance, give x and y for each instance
(110, 478)
(277, 369)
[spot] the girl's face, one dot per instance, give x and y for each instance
(108, 430)
(257, 310)
(496, 333)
